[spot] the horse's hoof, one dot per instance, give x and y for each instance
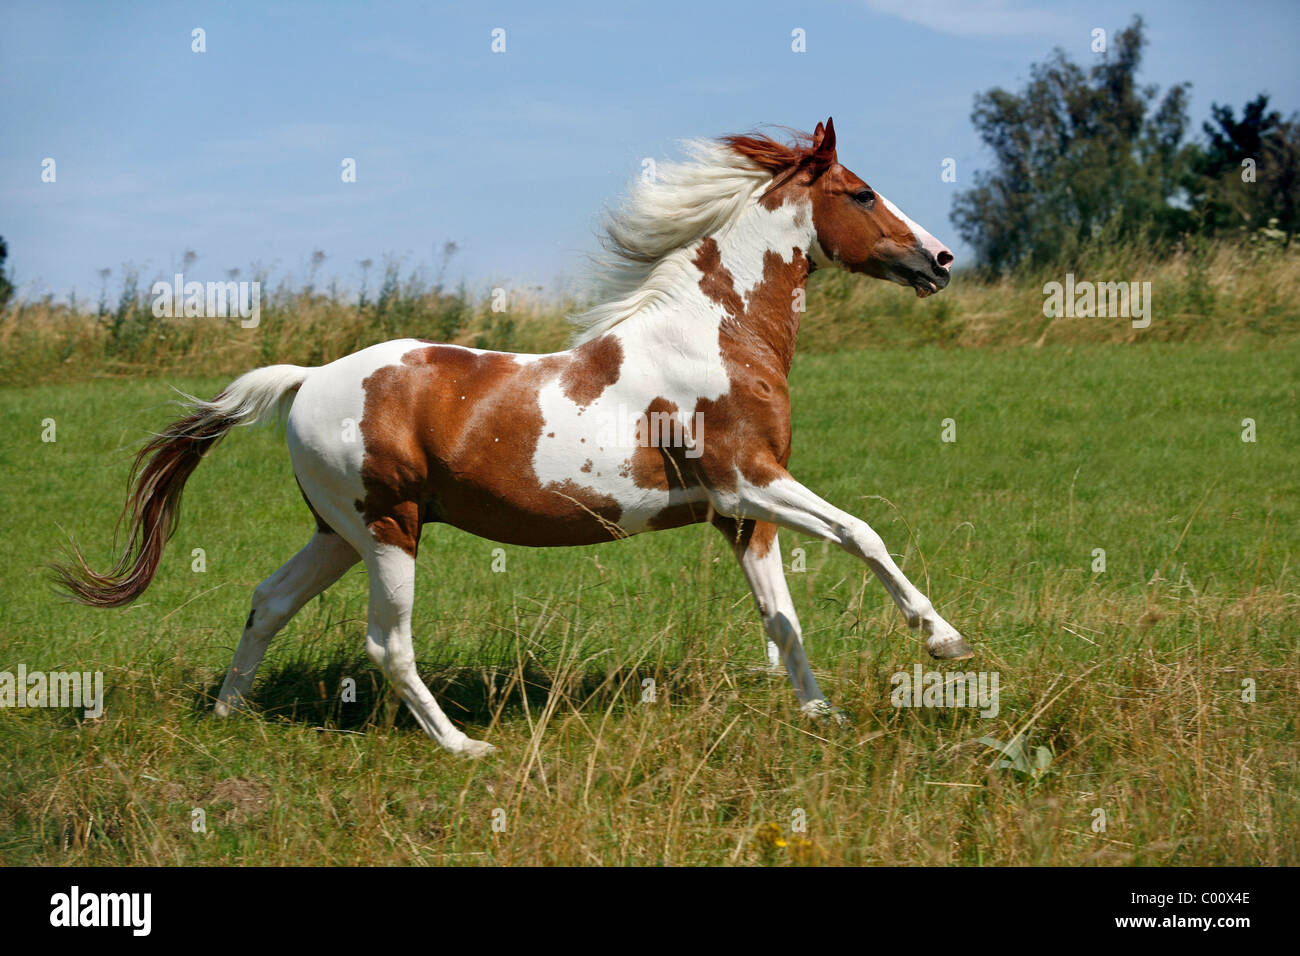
(952, 650)
(474, 749)
(825, 710)
(230, 708)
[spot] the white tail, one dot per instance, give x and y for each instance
(257, 396)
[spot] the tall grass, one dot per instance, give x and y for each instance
(1205, 291)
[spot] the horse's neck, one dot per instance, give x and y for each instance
(743, 291)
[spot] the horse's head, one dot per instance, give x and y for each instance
(855, 226)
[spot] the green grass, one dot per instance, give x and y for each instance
(1132, 678)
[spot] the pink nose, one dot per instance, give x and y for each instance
(942, 254)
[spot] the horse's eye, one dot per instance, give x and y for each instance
(866, 197)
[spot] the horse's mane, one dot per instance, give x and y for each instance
(646, 237)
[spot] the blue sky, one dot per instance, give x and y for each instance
(235, 153)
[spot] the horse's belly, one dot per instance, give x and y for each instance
(575, 511)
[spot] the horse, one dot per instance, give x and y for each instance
(692, 343)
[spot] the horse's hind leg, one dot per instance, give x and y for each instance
(389, 645)
(759, 553)
(277, 599)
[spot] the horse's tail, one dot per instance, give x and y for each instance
(158, 477)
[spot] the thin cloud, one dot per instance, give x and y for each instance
(970, 18)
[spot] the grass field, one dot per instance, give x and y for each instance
(1132, 678)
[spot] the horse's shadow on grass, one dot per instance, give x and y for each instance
(347, 693)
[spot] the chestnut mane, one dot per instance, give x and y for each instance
(770, 153)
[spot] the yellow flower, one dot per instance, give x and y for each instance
(769, 834)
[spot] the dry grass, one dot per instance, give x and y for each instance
(1212, 291)
(1147, 725)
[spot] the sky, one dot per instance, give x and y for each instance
(235, 153)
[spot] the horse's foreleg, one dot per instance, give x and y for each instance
(788, 503)
(309, 572)
(389, 645)
(759, 554)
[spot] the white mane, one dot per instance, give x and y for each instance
(646, 237)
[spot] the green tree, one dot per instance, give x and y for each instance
(6, 287)
(1076, 152)
(1248, 171)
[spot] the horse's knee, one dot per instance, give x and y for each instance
(392, 661)
(268, 611)
(869, 545)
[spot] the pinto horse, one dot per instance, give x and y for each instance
(693, 342)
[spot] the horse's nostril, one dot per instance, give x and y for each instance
(944, 258)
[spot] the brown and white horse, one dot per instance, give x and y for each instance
(672, 409)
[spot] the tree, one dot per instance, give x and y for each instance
(6, 287)
(1076, 152)
(1248, 171)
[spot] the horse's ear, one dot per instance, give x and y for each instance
(823, 153)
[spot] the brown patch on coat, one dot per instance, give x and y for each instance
(679, 515)
(748, 428)
(593, 367)
(432, 456)
(666, 466)
(653, 466)
(717, 282)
